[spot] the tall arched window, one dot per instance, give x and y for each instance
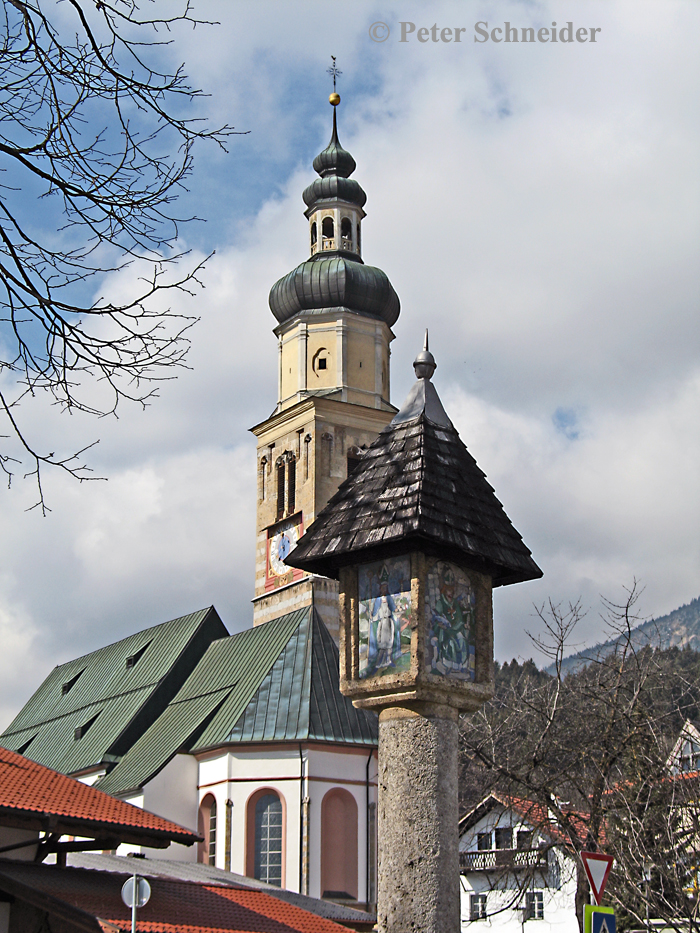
(339, 845)
(265, 837)
(346, 228)
(207, 829)
(268, 839)
(313, 233)
(327, 228)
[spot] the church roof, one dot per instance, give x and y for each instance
(416, 486)
(88, 712)
(80, 899)
(272, 683)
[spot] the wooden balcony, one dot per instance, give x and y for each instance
(503, 860)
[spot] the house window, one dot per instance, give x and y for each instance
(477, 907)
(268, 839)
(524, 839)
(690, 757)
(534, 905)
(504, 838)
(483, 841)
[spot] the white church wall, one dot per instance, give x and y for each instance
(345, 768)
(237, 775)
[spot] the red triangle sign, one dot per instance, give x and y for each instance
(597, 867)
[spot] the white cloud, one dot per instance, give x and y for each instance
(535, 206)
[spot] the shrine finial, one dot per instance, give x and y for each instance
(424, 364)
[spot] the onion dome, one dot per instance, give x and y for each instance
(332, 187)
(334, 160)
(325, 282)
(334, 165)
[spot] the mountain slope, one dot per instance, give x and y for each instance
(680, 628)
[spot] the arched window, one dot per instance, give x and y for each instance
(339, 845)
(314, 235)
(291, 485)
(280, 489)
(207, 829)
(265, 837)
(346, 228)
(358, 238)
(327, 228)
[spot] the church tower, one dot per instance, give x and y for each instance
(334, 316)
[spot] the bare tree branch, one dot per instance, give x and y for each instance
(91, 128)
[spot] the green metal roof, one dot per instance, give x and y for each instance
(272, 683)
(126, 686)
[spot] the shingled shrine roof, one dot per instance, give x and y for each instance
(417, 485)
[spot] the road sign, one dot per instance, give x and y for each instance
(142, 889)
(598, 919)
(597, 868)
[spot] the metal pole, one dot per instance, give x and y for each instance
(648, 927)
(133, 906)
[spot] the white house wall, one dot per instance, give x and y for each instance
(502, 890)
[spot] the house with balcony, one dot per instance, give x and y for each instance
(515, 870)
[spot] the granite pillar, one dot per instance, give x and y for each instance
(418, 820)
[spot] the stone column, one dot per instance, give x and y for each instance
(417, 820)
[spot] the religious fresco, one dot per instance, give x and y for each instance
(450, 624)
(385, 617)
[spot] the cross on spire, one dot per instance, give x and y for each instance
(334, 72)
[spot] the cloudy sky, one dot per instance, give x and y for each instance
(535, 205)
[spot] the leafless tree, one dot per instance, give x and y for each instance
(590, 750)
(96, 138)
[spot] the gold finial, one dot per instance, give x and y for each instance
(334, 99)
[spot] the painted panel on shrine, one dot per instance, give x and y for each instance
(384, 617)
(450, 628)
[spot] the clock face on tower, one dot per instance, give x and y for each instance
(281, 541)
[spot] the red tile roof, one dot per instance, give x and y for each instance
(41, 799)
(174, 906)
(536, 816)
